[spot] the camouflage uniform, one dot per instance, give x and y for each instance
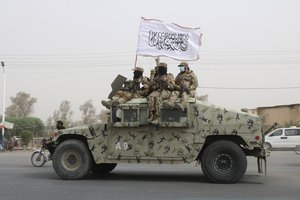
(163, 86)
(154, 94)
(138, 91)
(132, 89)
(188, 83)
(153, 78)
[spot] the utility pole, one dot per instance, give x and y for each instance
(3, 115)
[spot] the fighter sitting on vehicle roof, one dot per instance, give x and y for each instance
(188, 83)
(131, 89)
(163, 87)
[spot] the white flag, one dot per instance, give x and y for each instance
(157, 38)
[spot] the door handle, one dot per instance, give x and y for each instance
(283, 137)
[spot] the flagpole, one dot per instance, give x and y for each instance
(3, 115)
(136, 55)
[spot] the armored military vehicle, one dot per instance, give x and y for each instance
(218, 138)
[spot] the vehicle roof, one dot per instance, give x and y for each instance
(190, 100)
(292, 127)
(284, 128)
(144, 100)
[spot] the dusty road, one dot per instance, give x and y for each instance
(20, 180)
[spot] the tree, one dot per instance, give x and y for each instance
(49, 121)
(21, 105)
(64, 114)
(33, 124)
(88, 112)
(103, 116)
(26, 137)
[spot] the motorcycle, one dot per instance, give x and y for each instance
(39, 157)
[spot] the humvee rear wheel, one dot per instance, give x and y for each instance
(72, 160)
(104, 168)
(223, 162)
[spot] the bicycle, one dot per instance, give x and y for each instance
(297, 149)
(39, 157)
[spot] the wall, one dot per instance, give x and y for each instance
(282, 114)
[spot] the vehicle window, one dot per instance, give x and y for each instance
(292, 132)
(276, 133)
(130, 115)
(116, 114)
(174, 116)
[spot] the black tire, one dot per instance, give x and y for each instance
(72, 160)
(223, 162)
(297, 149)
(38, 159)
(104, 168)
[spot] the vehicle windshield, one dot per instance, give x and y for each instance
(276, 133)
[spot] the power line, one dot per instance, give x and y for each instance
(208, 52)
(211, 60)
(71, 54)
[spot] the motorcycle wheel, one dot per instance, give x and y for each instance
(38, 159)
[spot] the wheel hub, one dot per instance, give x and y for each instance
(223, 163)
(38, 159)
(71, 159)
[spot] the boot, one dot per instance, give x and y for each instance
(179, 106)
(107, 104)
(151, 116)
(168, 104)
(155, 121)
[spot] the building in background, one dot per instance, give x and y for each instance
(283, 115)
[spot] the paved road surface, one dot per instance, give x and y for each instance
(19, 180)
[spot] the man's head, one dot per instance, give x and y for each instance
(162, 68)
(183, 67)
(59, 125)
(137, 72)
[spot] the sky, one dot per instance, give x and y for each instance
(58, 50)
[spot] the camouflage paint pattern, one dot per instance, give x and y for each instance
(178, 138)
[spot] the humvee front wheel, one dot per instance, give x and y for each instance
(223, 162)
(72, 160)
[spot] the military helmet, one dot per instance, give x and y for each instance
(138, 69)
(162, 65)
(183, 64)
